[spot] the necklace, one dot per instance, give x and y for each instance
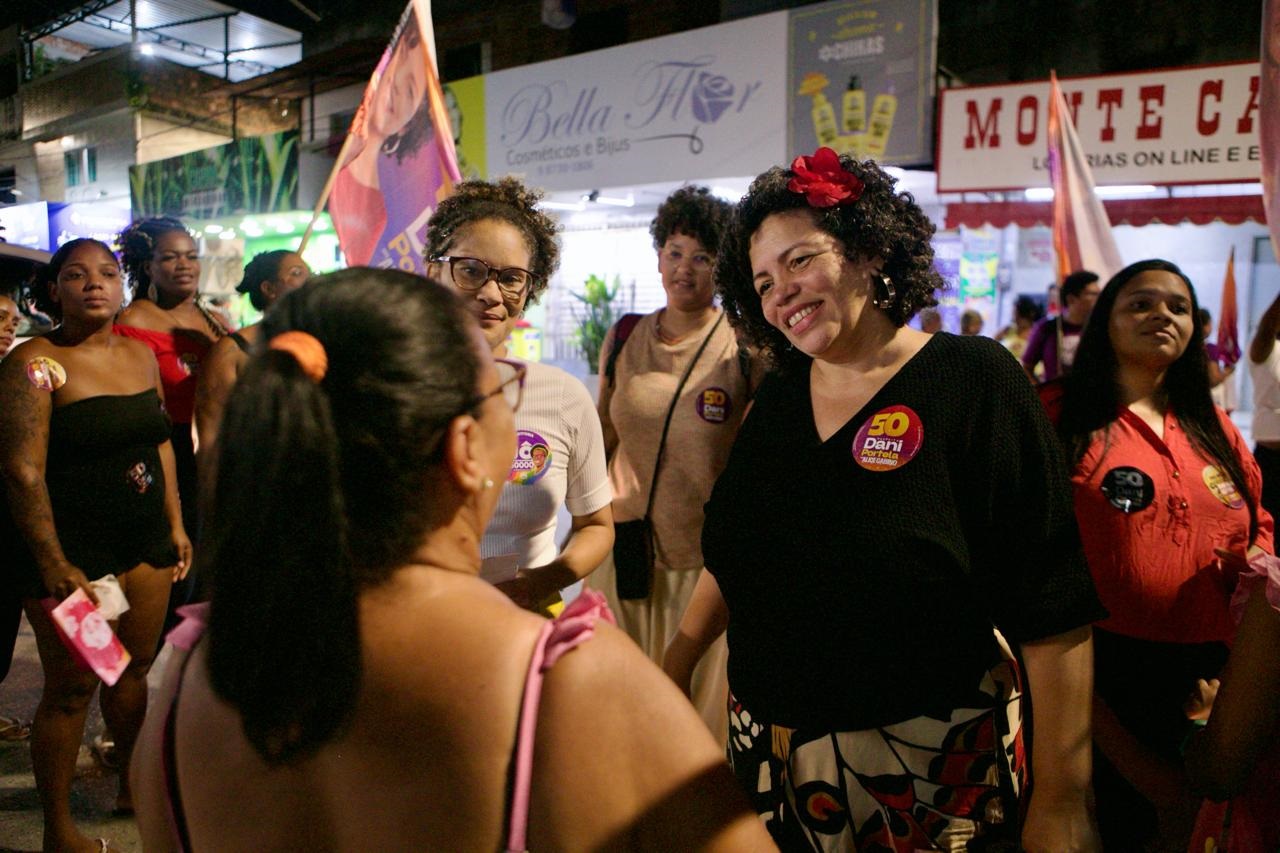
(657, 328)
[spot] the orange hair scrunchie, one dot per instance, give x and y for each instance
(306, 350)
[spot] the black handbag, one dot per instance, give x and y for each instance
(633, 548)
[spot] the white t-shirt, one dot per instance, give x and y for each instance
(1266, 396)
(559, 460)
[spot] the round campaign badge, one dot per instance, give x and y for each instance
(533, 458)
(46, 374)
(890, 439)
(714, 405)
(1128, 489)
(140, 478)
(188, 361)
(1222, 487)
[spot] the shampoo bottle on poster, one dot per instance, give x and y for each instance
(855, 108)
(824, 120)
(882, 112)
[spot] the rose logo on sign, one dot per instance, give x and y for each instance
(712, 95)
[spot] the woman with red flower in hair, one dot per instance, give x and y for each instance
(893, 515)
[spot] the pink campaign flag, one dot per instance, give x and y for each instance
(398, 162)
(1082, 235)
(1269, 117)
(1228, 337)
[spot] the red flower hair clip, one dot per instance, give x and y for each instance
(824, 182)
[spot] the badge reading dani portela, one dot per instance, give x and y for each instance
(889, 439)
(1129, 489)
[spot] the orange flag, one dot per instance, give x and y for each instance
(1082, 235)
(1269, 118)
(1228, 336)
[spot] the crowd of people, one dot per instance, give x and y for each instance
(851, 583)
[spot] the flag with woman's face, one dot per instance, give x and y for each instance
(398, 161)
(1269, 118)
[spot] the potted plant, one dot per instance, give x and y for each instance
(596, 317)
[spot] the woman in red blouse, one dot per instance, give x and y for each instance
(1161, 479)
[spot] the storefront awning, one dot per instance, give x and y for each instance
(1199, 210)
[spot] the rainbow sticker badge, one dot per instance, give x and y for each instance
(889, 439)
(1221, 486)
(533, 458)
(714, 405)
(46, 374)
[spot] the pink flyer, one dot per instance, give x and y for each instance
(89, 637)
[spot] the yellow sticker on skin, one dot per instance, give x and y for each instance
(46, 374)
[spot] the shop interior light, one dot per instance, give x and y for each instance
(629, 201)
(1038, 194)
(147, 50)
(562, 205)
(284, 228)
(1126, 190)
(228, 234)
(731, 196)
(213, 228)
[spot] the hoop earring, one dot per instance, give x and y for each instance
(152, 293)
(890, 294)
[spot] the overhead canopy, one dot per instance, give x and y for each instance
(1199, 210)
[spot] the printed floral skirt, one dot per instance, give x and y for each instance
(923, 784)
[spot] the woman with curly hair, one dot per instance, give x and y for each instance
(672, 391)
(490, 241)
(90, 479)
(1163, 483)
(892, 496)
(267, 277)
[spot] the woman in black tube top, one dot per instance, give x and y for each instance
(90, 479)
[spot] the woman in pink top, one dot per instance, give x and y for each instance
(359, 687)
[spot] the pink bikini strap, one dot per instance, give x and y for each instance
(572, 628)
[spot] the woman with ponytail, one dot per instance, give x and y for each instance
(1162, 481)
(358, 686)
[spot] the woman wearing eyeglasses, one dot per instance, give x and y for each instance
(491, 242)
(683, 360)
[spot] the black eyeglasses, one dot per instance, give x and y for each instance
(473, 274)
(510, 382)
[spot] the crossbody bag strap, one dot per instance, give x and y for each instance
(671, 410)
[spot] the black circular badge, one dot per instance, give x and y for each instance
(1128, 489)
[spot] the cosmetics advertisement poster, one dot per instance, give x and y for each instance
(861, 79)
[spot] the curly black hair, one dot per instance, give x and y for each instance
(695, 212)
(882, 223)
(507, 200)
(138, 244)
(265, 266)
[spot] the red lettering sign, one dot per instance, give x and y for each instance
(1028, 106)
(983, 133)
(1109, 99)
(1207, 126)
(1149, 95)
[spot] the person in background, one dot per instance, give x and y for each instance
(91, 484)
(10, 319)
(267, 277)
(1235, 760)
(490, 241)
(1264, 373)
(1221, 367)
(930, 320)
(358, 687)
(860, 545)
(1054, 339)
(642, 366)
(1026, 313)
(971, 322)
(1162, 482)
(11, 728)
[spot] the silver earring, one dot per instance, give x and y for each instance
(152, 293)
(487, 483)
(890, 294)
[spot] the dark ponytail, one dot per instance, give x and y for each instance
(324, 488)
